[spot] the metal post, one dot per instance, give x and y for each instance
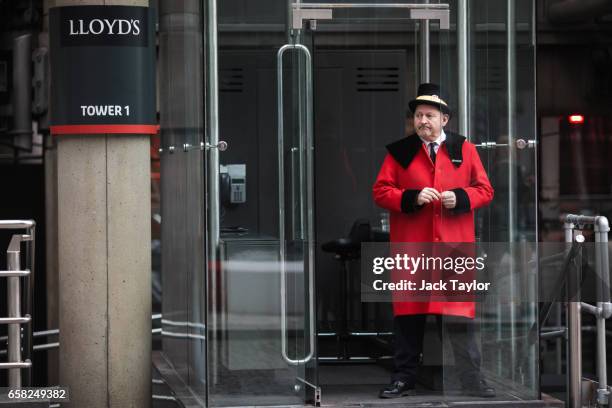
(14, 320)
(462, 48)
(511, 112)
(214, 214)
(213, 127)
(574, 360)
(425, 52)
(14, 310)
(28, 339)
(602, 228)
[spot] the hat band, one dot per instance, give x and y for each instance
(431, 98)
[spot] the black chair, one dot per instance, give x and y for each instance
(348, 249)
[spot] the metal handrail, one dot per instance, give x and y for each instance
(14, 320)
(568, 258)
(16, 366)
(602, 311)
(17, 224)
(8, 274)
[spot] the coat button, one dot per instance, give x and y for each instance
(436, 238)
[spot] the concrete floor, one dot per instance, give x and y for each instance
(349, 386)
(358, 386)
(366, 396)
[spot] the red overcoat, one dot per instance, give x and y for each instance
(406, 170)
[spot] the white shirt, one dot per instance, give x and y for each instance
(439, 141)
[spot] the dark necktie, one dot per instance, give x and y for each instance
(432, 151)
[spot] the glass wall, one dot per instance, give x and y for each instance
(368, 63)
(260, 312)
(274, 124)
(502, 124)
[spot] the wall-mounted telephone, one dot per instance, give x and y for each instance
(233, 183)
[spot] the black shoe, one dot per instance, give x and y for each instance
(397, 389)
(480, 389)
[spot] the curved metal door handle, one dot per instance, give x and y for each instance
(281, 202)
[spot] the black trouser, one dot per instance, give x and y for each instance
(461, 331)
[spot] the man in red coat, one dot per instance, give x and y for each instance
(431, 182)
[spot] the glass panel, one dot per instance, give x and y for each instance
(366, 69)
(366, 66)
(182, 192)
(258, 317)
(501, 61)
(300, 244)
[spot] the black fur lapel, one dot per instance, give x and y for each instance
(454, 145)
(404, 150)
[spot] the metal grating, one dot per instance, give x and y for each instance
(380, 79)
(231, 80)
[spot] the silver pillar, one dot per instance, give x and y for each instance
(602, 229)
(425, 51)
(213, 215)
(213, 128)
(511, 112)
(574, 320)
(14, 310)
(573, 346)
(462, 49)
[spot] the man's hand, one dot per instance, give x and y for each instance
(427, 195)
(449, 199)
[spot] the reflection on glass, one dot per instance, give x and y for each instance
(258, 316)
(502, 111)
(182, 192)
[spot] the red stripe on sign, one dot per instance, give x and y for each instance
(103, 129)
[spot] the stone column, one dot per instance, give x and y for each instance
(104, 262)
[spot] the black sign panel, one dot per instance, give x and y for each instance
(78, 27)
(102, 68)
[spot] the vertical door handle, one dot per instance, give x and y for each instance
(306, 144)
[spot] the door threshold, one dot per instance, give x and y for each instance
(366, 396)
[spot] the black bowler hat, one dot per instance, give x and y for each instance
(430, 94)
